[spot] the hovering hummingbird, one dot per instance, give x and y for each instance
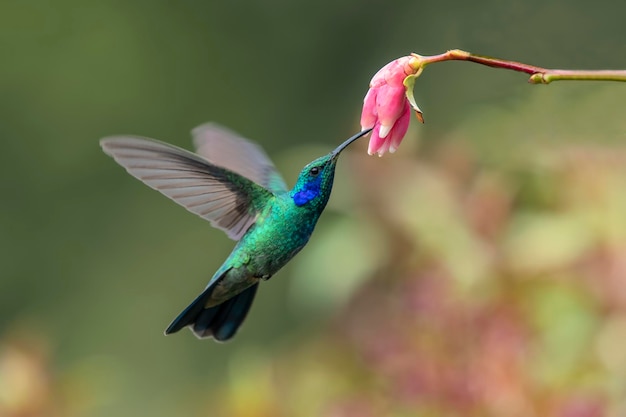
(232, 183)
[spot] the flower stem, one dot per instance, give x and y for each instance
(538, 75)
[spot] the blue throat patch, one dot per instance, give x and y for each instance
(309, 191)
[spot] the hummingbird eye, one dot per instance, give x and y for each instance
(314, 171)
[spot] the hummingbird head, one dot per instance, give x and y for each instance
(316, 179)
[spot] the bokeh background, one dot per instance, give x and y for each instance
(479, 271)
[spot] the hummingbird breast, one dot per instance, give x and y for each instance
(280, 232)
(278, 235)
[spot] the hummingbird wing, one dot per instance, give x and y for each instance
(228, 200)
(223, 147)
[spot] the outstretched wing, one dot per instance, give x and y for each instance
(223, 147)
(228, 200)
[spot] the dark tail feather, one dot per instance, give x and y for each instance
(221, 321)
(189, 314)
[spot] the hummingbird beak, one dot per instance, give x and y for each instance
(338, 149)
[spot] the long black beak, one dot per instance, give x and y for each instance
(344, 145)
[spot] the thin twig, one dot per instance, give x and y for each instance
(538, 75)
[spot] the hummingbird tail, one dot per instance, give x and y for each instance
(221, 321)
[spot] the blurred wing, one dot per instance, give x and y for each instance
(228, 200)
(223, 147)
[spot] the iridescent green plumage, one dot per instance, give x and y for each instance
(232, 183)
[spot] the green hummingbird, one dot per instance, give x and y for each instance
(231, 182)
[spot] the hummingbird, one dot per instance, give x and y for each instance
(231, 182)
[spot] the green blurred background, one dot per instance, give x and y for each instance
(479, 271)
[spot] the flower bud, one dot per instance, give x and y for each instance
(387, 104)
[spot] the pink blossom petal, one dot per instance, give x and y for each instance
(393, 73)
(390, 101)
(384, 148)
(384, 130)
(376, 142)
(400, 128)
(369, 115)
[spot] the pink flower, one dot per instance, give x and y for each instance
(387, 107)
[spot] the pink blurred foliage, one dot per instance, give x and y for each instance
(433, 347)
